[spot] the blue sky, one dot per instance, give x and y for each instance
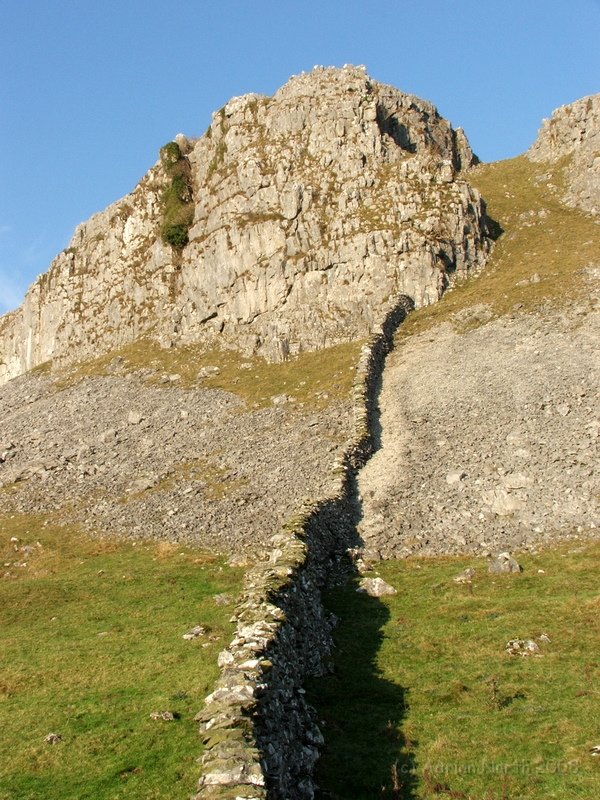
(90, 90)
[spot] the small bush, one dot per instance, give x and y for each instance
(177, 196)
(180, 188)
(170, 154)
(176, 235)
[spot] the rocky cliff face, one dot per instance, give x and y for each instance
(311, 209)
(573, 131)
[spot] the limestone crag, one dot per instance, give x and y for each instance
(311, 210)
(574, 131)
(106, 289)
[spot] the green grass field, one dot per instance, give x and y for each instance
(425, 702)
(90, 645)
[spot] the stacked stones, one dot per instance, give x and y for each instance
(260, 735)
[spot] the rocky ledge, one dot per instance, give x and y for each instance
(573, 133)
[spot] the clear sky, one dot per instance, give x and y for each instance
(91, 89)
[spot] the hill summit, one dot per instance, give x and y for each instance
(288, 226)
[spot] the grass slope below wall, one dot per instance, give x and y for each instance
(426, 703)
(90, 645)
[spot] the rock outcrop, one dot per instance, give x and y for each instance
(310, 210)
(573, 131)
(490, 415)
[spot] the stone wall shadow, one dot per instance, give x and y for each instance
(375, 414)
(380, 351)
(365, 755)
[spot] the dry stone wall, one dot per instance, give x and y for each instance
(311, 209)
(260, 735)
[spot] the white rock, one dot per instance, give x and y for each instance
(515, 480)
(504, 504)
(466, 576)
(522, 647)
(504, 563)
(455, 476)
(376, 587)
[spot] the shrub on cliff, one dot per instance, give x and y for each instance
(175, 235)
(178, 210)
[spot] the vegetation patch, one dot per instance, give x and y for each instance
(313, 378)
(45, 368)
(215, 481)
(218, 158)
(90, 646)
(177, 196)
(426, 702)
(539, 259)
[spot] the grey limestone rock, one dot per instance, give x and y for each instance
(164, 716)
(504, 563)
(376, 587)
(311, 209)
(455, 476)
(466, 576)
(195, 632)
(573, 131)
(504, 503)
(522, 647)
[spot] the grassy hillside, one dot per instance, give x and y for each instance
(90, 646)
(426, 703)
(312, 378)
(541, 256)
